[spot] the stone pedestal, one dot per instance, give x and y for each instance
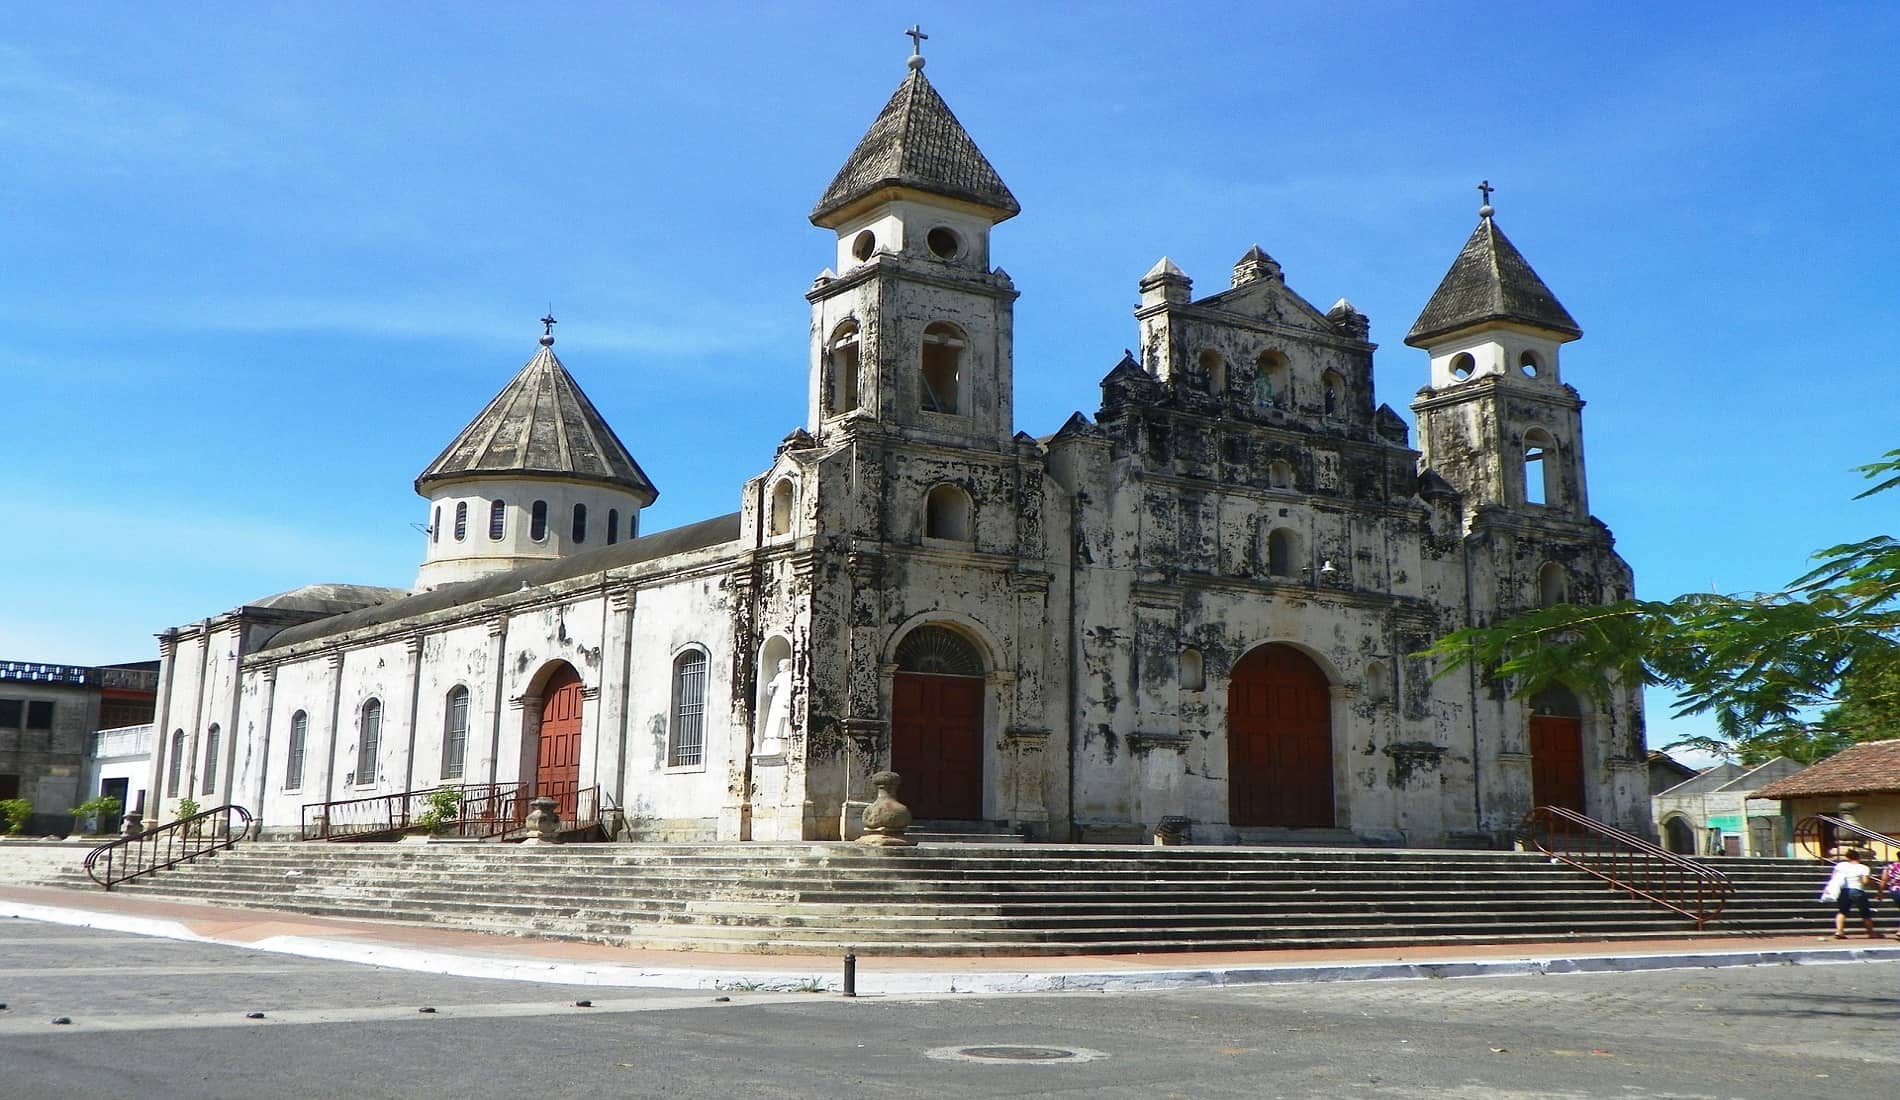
(543, 824)
(885, 819)
(134, 825)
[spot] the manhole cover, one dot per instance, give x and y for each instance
(1013, 1053)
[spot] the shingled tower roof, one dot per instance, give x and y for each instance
(1490, 281)
(916, 143)
(540, 425)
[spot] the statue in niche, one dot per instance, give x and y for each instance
(778, 710)
(1263, 398)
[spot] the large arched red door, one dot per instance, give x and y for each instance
(1556, 744)
(1279, 741)
(937, 725)
(557, 768)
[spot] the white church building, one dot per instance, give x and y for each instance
(1201, 602)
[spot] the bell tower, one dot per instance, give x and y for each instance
(1497, 420)
(911, 328)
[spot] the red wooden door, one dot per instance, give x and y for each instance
(1279, 741)
(1557, 762)
(937, 745)
(557, 769)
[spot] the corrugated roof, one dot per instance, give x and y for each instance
(540, 424)
(1705, 781)
(679, 540)
(917, 143)
(1490, 281)
(1872, 767)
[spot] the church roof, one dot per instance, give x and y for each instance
(661, 544)
(1490, 281)
(916, 143)
(540, 424)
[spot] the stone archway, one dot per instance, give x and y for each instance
(1556, 744)
(937, 724)
(1678, 836)
(1279, 741)
(557, 755)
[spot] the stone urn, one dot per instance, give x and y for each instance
(885, 819)
(543, 824)
(133, 825)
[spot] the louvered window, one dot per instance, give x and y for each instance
(497, 519)
(461, 521)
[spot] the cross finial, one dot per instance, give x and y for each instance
(547, 329)
(1485, 189)
(917, 36)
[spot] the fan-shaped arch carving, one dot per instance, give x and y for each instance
(938, 651)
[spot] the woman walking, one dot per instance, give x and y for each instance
(1847, 887)
(1890, 886)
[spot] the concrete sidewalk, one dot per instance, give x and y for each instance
(482, 955)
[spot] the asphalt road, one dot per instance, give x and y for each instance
(155, 1019)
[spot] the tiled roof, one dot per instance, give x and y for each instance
(917, 143)
(1490, 281)
(540, 424)
(1872, 767)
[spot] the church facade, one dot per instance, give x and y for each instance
(1202, 602)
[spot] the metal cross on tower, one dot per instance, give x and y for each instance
(1485, 189)
(548, 324)
(917, 36)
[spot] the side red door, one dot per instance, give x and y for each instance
(557, 770)
(937, 745)
(1279, 741)
(1557, 762)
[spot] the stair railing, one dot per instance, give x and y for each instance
(486, 811)
(1630, 863)
(1815, 836)
(166, 846)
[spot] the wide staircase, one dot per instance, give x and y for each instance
(961, 899)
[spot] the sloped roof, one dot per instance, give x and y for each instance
(540, 424)
(1490, 281)
(1763, 774)
(1706, 780)
(1871, 767)
(330, 599)
(917, 143)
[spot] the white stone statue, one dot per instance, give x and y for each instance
(778, 710)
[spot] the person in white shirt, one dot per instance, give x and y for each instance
(1847, 888)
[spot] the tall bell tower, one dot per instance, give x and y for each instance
(911, 328)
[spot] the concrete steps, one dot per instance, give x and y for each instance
(956, 899)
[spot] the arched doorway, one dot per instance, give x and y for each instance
(1678, 836)
(1279, 741)
(937, 725)
(557, 767)
(1556, 738)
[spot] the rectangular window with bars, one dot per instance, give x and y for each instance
(686, 746)
(211, 761)
(455, 735)
(299, 737)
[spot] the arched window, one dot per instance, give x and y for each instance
(781, 517)
(1333, 393)
(176, 770)
(369, 742)
(1279, 474)
(613, 526)
(841, 361)
(942, 374)
(435, 524)
(538, 521)
(1552, 585)
(686, 737)
(1272, 381)
(1282, 552)
(1529, 364)
(461, 520)
(1556, 701)
(1537, 467)
(299, 746)
(211, 760)
(1193, 670)
(938, 651)
(497, 519)
(580, 523)
(1214, 370)
(947, 514)
(455, 734)
(1462, 364)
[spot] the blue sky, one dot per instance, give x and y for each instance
(257, 268)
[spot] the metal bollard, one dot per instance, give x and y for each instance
(850, 975)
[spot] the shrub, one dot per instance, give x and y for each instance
(440, 807)
(15, 811)
(104, 811)
(188, 808)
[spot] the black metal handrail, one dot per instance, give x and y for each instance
(1824, 832)
(1630, 863)
(166, 846)
(483, 812)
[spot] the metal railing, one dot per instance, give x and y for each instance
(484, 811)
(1630, 863)
(1816, 836)
(166, 846)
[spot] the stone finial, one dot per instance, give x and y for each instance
(1165, 283)
(885, 819)
(1256, 265)
(1346, 318)
(543, 824)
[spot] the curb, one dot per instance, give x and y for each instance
(871, 982)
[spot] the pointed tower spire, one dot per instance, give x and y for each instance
(1490, 281)
(916, 144)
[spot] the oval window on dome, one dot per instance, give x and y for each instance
(864, 244)
(943, 243)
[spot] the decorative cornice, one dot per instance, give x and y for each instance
(1148, 740)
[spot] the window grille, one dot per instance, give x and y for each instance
(497, 519)
(461, 520)
(455, 734)
(211, 761)
(299, 738)
(177, 766)
(538, 521)
(435, 524)
(687, 745)
(369, 745)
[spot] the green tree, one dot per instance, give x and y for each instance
(1802, 672)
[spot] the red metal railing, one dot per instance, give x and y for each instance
(484, 811)
(166, 846)
(1815, 836)
(1628, 862)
